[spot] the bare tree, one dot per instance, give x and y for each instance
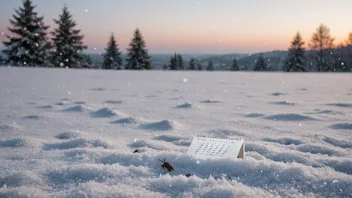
(321, 42)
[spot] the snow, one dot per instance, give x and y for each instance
(55, 144)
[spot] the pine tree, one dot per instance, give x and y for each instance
(210, 66)
(29, 45)
(320, 42)
(260, 64)
(235, 66)
(1, 60)
(138, 57)
(199, 66)
(180, 64)
(192, 64)
(112, 57)
(87, 61)
(295, 61)
(67, 42)
(173, 63)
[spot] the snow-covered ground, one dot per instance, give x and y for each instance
(72, 133)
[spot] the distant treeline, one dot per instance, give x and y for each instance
(28, 46)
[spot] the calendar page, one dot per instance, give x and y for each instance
(217, 147)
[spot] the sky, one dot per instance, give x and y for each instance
(191, 26)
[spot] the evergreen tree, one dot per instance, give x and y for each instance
(29, 45)
(199, 66)
(180, 64)
(235, 66)
(138, 57)
(87, 61)
(192, 64)
(320, 42)
(173, 63)
(295, 61)
(210, 66)
(112, 57)
(260, 64)
(1, 60)
(67, 41)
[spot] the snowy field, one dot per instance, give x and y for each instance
(72, 133)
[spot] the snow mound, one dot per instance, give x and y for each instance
(208, 187)
(147, 144)
(225, 133)
(340, 165)
(78, 108)
(185, 106)
(338, 143)
(95, 172)
(9, 127)
(284, 103)
(33, 117)
(113, 102)
(78, 143)
(289, 117)
(104, 113)
(19, 142)
(96, 189)
(168, 138)
(176, 140)
(254, 115)
(45, 107)
(129, 120)
(98, 89)
(342, 126)
(164, 125)
(27, 178)
(151, 96)
(319, 149)
(63, 102)
(284, 141)
(327, 112)
(182, 143)
(23, 192)
(68, 135)
(341, 105)
(278, 94)
(264, 176)
(211, 101)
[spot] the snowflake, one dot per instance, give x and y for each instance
(342, 63)
(61, 64)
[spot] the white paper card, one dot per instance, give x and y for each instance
(217, 147)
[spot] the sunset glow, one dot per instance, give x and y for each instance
(204, 26)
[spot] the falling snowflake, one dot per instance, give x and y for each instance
(342, 63)
(185, 80)
(197, 161)
(61, 64)
(86, 10)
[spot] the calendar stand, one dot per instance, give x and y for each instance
(213, 147)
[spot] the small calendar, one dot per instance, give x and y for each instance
(217, 147)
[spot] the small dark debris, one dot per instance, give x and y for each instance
(167, 165)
